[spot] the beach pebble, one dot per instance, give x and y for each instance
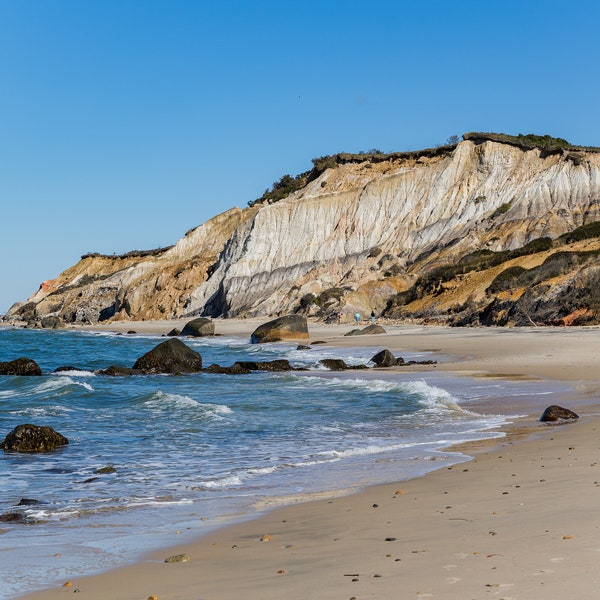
(177, 558)
(390, 539)
(266, 538)
(67, 584)
(399, 492)
(153, 597)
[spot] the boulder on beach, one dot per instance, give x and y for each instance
(20, 366)
(33, 438)
(384, 359)
(558, 413)
(200, 327)
(368, 330)
(171, 356)
(289, 327)
(52, 322)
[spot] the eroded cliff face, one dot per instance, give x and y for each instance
(351, 238)
(410, 214)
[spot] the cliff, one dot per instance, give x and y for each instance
(363, 232)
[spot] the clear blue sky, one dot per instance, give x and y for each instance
(124, 123)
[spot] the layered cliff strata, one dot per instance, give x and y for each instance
(354, 236)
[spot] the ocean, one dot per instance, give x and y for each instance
(155, 460)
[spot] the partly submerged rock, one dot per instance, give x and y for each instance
(118, 371)
(289, 327)
(384, 359)
(20, 366)
(337, 364)
(558, 413)
(200, 327)
(270, 365)
(171, 356)
(33, 438)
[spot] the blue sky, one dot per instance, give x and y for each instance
(124, 123)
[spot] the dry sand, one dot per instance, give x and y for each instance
(519, 521)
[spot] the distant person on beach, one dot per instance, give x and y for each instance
(372, 317)
(357, 317)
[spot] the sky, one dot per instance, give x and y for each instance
(125, 123)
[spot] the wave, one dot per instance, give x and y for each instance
(165, 401)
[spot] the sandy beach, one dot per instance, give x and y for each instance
(518, 521)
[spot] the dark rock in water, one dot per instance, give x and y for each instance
(52, 322)
(368, 330)
(558, 413)
(132, 332)
(399, 360)
(13, 517)
(303, 347)
(317, 342)
(337, 364)
(33, 438)
(20, 366)
(174, 332)
(236, 369)
(384, 359)
(271, 365)
(65, 368)
(334, 364)
(171, 356)
(28, 502)
(117, 371)
(199, 327)
(106, 470)
(289, 327)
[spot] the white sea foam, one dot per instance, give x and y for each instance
(43, 411)
(223, 482)
(167, 401)
(59, 383)
(75, 373)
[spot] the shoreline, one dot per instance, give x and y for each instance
(321, 547)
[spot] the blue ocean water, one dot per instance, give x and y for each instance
(192, 452)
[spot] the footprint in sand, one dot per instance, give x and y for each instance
(557, 559)
(449, 567)
(453, 579)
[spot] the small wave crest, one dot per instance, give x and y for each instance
(165, 401)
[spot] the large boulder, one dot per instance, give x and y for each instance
(172, 356)
(20, 366)
(384, 359)
(52, 322)
(558, 413)
(289, 327)
(199, 327)
(33, 438)
(368, 330)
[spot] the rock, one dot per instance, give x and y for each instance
(33, 438)
(334, 364)
(271, 365)
(171, 356)
(199, 327)
(337, 364)
(21, 366)
(178, 558)
(65, 368)
(106, 470)
(52, 322)
(174, 332)
(368, 330)
(384, 359)
(28, 502)
(117, 371)
(558, 413)
(236, 369)
(289, 327)
(12, 517)
(132, 332)
(303, 347)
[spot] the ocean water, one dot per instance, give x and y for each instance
(190, 453)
